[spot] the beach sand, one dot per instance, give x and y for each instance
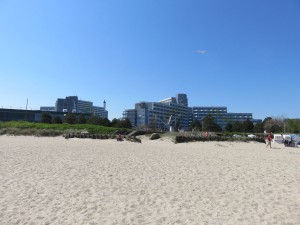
(85, 181)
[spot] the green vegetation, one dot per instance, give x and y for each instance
(280, 125)
(72, 118)
(224, 136)
(210, 124)
(46, 129)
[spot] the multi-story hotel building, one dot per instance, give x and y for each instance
(175, 110)
(74, 105)
(220, 114)
(101, 111)
(161, 115)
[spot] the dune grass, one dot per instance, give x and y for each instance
(43, 129)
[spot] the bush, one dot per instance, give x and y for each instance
(184, 139)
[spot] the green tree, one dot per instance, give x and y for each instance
(209, 124)
(266, 120)
(258, 128)
(248, 126)
(274, 125)
(70, 118)
(57, 120)
(121, 123)
(95, 120)
(196, 125)
(237, 126)
(229, 127)
(46, 118)
(114, 122)
(81, 119)
(292, 125)
(125, 123)
(105, 122)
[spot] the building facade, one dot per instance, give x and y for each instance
(47, 108)
(72, 104)
(220, 114)
(131, 115)
(84, 107)
(68, 104)
(174, 112)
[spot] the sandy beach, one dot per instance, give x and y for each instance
(85, 181)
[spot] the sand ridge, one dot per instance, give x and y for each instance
(85, 181)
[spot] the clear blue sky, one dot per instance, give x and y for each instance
(145, 50)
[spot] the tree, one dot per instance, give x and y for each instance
(57, 120)
(274, 125)
(266, 120)
(248, 126)
(209, 124)
(121, 123)
(237, 126)
(105, 122)
(124, 123)
(258, 128)
(229, 127)
(114, 122)
(293, 125)
(81, 119)
(196, 125)
(95, 120)
(70, 118)
(46, 118)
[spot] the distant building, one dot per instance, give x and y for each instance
(160, 115)
(84, 107)
(220, 114)
(29, 115)
(174, 111)
(68, 104)
(47, 108)
(131, 115)
(101, 111)
(72, 104)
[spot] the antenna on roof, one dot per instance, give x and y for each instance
(26, 103)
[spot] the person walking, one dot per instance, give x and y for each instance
(269, 139)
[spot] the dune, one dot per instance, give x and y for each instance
(86, 181)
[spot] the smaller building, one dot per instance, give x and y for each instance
(72, 104)
(48, 108)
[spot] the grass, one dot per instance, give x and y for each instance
(43, 129)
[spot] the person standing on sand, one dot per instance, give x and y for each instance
(269, 139)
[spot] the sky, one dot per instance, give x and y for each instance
(236, 53)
